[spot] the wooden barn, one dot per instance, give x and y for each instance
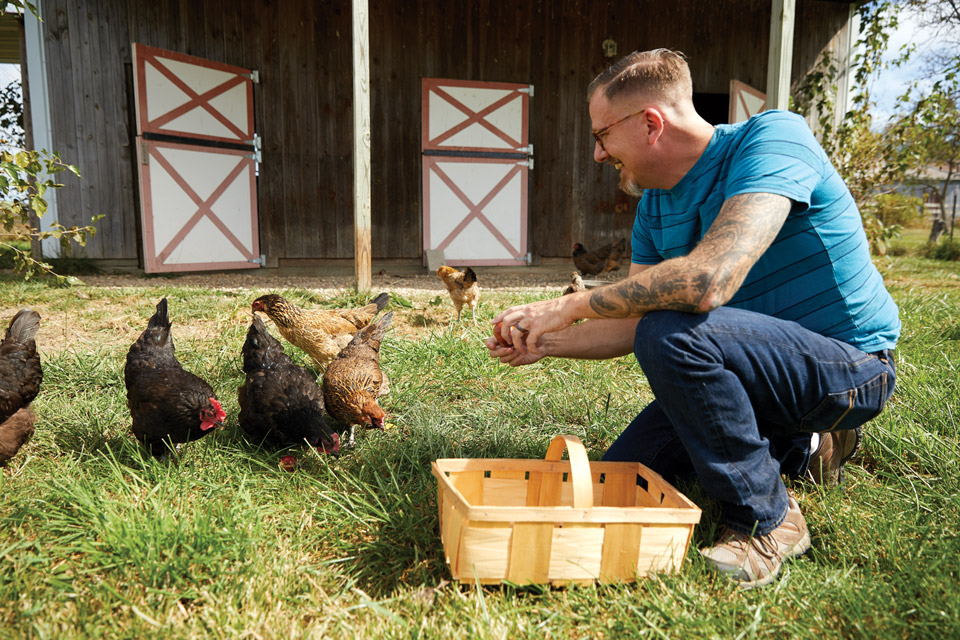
(220, 134)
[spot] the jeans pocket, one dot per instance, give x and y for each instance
(849, 408)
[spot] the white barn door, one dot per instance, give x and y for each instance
(197, 158)
(745, 101)
(476, 159)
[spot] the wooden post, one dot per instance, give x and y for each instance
(780, 59)
(361, 144)
(953, 216)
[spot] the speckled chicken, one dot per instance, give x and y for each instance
(606, 258)
(20, 377)
(576, 284)
(322, 333)
(462, 287)
(168, 404)
(353, 381)
(280, 401)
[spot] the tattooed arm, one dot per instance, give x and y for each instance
(704, 279)
(709, 275)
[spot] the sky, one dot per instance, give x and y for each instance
(890, 84)
(9, 73)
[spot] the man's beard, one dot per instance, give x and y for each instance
(630, 187)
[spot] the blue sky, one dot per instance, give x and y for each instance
(891, 83)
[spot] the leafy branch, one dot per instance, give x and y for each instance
(25, 177)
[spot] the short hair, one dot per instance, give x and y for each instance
(659, 73)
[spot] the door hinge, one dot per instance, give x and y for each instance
(528, 163)
(527, 90)
(257, 156)
(262, 260)
(144, 153)
(253, 76)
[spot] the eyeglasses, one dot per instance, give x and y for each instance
(599, 133)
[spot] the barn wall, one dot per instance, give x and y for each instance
(304, 113)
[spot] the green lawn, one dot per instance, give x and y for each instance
(98, 541)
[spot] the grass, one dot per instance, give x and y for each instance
(99, 541)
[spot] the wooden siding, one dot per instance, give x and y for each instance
(303, 104)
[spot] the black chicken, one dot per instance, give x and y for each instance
(20, 377)
(168, 404)
(280, 402)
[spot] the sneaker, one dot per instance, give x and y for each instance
(826, 463)
(753, 561)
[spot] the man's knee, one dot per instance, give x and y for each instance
(664, 336)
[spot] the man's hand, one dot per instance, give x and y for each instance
(523, 325)
(509, 355)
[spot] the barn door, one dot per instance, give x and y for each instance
(745, 101)
(197, 154)
(476, 159)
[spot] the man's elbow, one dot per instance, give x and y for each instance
(714, 295)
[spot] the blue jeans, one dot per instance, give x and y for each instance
(738, 394)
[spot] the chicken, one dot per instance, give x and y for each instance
(168, 405)
(322, 333)
(576, 284)
(280, 401)
(353, 381)
(462, 287)
(606, 258)
(20, 377)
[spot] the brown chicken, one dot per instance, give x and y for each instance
(20, 377)
(322, 333)
(353, 381)
(462, 287)
(280, 401)
(576, 284)
(606, 258)
(168, 405)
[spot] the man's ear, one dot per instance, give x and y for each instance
(653, 120)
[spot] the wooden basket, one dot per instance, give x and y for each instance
(535, 521)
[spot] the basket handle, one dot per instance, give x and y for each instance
(579, 468)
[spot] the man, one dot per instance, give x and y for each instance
(751, 304)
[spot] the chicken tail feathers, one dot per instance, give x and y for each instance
(373, 333)
(469, 276)
(381, 301)
(23, 327)
(160, 319)
(157, 332)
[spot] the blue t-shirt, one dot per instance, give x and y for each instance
(818, 270)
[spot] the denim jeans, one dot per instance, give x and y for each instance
(738, 394)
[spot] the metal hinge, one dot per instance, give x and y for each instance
(528, 90)
(528, 163)
(528, 258)
(144, 153)
(257, 156)
(262, 260)
(253, 76)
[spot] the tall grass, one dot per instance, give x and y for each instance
(99, 540)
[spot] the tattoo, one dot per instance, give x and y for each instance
(711, 274)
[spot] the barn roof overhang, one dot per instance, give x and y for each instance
(9, 38)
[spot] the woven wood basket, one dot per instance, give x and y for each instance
(559, 521)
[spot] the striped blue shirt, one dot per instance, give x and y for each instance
(818, 271)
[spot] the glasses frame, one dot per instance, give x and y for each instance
(599, 133)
